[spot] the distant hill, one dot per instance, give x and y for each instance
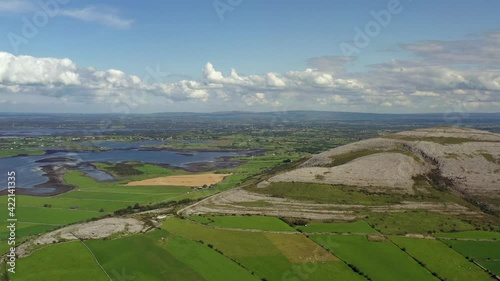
(466, 160)
(292, 115)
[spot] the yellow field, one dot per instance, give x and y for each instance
(183, 180)
(299, 249)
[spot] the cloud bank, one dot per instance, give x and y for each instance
(445, 76)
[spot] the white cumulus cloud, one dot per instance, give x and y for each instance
(396, 86)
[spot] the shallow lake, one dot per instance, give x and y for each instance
(29, 172)
(121, 144)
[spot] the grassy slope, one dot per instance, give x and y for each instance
(354, 227)
(245, 222)
(476, 234)
(25, 229)
(416, 222)
(324, 193)
(344, 158)
(68, 261)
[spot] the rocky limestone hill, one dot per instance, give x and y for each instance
(465, 159)
(445, 170)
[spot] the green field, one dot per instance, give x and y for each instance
(113, 195)
(201, 219)
(67, 261)
(416, 222)
(232, 243)
(162, 256)
(271, 256)
(337, 227)
(483, 252)
(245, 222)
(54, 216)
(476, 234)
(134, 171)
(439, 258)
(4, 247)
(493, 266)
(148, 262)
(480, 250)
(381, 260)
(25, 229)
(15, 152)
(207, 262)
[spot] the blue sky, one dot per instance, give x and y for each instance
(266, 42)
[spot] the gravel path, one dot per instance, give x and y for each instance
(91, 230)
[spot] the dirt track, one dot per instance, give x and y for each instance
(233, 202)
